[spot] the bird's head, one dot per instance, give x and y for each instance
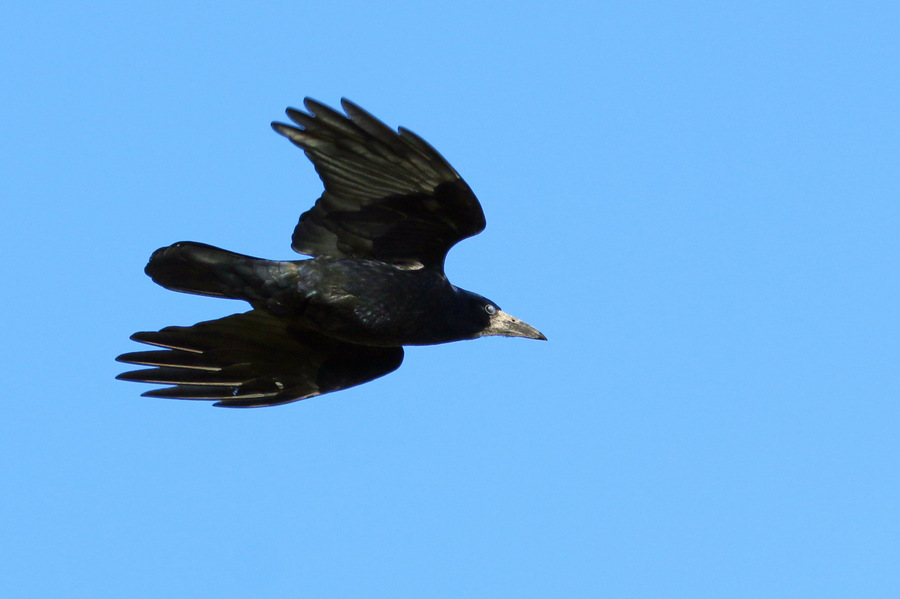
(491, 320)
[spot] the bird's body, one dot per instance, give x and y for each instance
(353, 300)
(391, 210)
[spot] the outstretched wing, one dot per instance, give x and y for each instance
(253, 359)
(389, 195)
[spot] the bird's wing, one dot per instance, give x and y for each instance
(253, 359)
(389, 195)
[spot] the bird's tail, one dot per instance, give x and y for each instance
(202, 269)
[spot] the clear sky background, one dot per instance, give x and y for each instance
(697, 202)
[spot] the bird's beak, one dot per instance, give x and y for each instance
(508, 326)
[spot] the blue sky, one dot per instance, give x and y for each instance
(696, 202)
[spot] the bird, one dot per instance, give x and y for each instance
(374, 282)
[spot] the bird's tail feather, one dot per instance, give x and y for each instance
(202, 269)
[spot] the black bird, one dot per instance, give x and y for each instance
(391, 210)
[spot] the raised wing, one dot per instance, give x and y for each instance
(389, 195)
(251, 360)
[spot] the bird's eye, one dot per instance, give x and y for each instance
(490, 309)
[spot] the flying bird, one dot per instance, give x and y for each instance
(378, 236)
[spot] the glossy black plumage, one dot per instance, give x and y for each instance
(379, 234)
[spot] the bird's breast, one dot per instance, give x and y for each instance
(374, 303)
